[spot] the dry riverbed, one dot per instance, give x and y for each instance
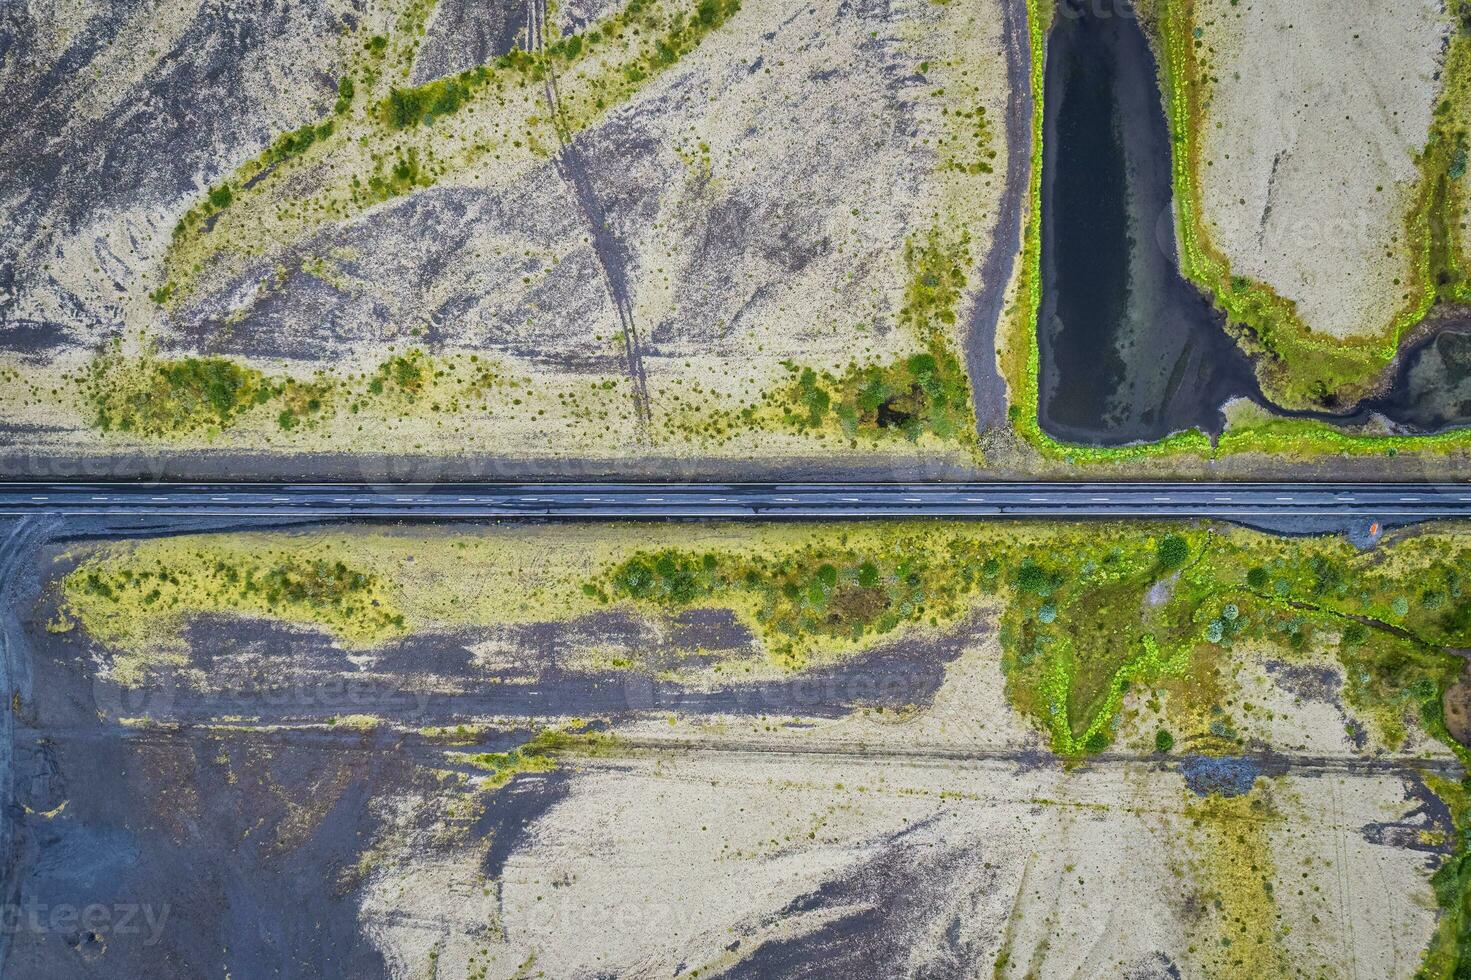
(741, 750)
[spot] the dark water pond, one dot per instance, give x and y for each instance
(1433, 388)
(1130, 350)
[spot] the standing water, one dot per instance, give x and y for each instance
(1130, 350)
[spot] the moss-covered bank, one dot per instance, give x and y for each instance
(1297, 369)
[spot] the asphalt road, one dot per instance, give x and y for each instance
(1261, 501)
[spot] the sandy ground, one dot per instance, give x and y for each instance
(1318, 110)
(888, 815)
(932, 843)
(751, 205)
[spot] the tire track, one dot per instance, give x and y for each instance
(611, 255)
(1269, 763)
(1345, 890)
(283, 734)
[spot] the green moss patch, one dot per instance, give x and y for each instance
(1449, 953)
(927, 393)
(1090, 614)
(155, 397)
(383, 139)
(138, 605)
(162, 399)
(542, 752)
(422, 104)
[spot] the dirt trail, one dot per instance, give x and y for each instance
(611, 254)
(988, 390)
